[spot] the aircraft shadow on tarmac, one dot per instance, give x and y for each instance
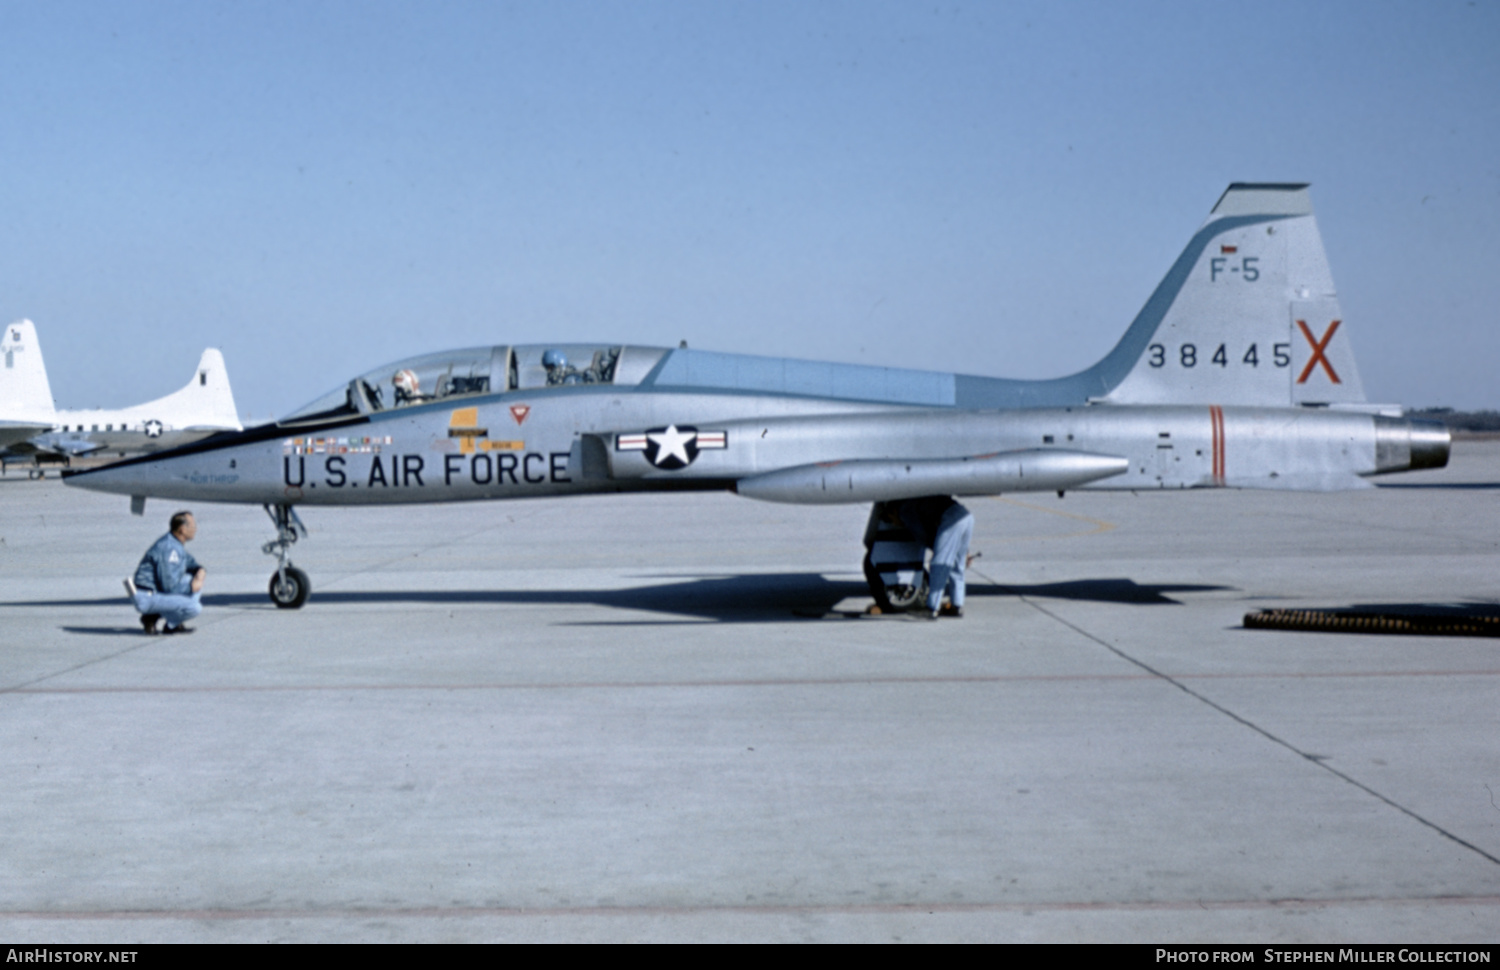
(1453, 486)
(1472, 610)
(751, 598)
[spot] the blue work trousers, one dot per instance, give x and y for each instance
(950, 553)
(174, 608)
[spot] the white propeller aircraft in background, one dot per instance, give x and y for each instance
(33, 432)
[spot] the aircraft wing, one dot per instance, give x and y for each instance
(72, 447)
(14, 433)
(54, 444)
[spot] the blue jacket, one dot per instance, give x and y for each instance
(924, 516)
(167, 567)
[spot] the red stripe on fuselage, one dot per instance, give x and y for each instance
(1216, 419)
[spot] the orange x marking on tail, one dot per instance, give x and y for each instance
(1318, 347)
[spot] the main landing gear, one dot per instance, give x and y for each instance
(289, 585)
(895, 562)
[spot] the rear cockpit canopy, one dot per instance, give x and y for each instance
(475, 371)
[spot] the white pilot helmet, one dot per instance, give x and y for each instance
(406, 381)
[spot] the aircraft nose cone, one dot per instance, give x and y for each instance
(105, 479)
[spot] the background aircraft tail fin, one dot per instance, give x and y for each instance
(25, 393)
(206, 401)
(1247, 315)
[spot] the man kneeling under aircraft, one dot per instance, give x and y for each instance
(946, 527)
(169, 581)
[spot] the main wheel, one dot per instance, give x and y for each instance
(894, 599)
(290, 593)
(906, 597)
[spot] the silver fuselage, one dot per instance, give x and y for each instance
(1239, 371)
(567, 440)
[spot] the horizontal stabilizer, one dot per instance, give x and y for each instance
(1030, 470)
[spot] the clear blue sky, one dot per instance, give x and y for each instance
(987, 188)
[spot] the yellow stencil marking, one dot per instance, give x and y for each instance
(463, 424)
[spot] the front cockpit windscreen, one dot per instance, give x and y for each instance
(416, 380)
(463, 373)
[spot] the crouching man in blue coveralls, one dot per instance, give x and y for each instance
(946, 527)
(169, 581)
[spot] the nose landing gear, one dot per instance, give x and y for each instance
(290, 588)
(289, 585)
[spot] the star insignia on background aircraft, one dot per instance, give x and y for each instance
(153, 428)
(1220, 381)
(671, 448)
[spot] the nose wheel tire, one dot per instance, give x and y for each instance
(291, 592)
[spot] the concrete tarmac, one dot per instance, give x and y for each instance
(646, 718)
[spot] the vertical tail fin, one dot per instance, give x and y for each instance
(25, 393)
(206, 402)
(1247, 315)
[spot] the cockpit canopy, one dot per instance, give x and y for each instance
(480, 370)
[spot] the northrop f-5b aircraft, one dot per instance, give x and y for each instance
(1237, 373)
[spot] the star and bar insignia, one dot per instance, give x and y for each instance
(671, 448)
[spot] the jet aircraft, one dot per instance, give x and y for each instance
(1238, 372)
(41, 434)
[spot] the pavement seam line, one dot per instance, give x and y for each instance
(768, 909)
(17, 688)
(1314, 759)
(673, 684)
